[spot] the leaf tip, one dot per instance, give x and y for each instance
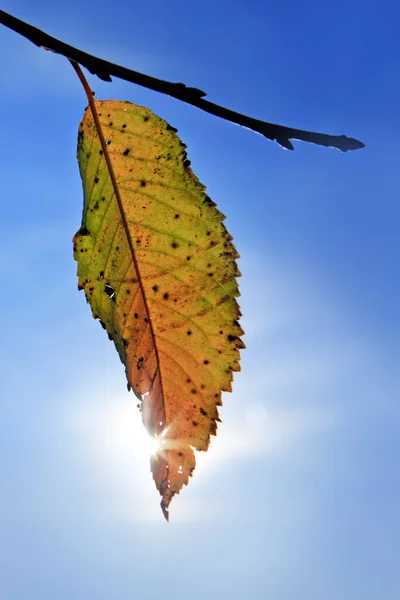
(165, 510)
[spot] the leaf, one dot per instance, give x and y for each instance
(159, 271)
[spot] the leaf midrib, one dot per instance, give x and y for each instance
(128, 235)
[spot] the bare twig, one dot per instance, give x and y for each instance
(105, 69)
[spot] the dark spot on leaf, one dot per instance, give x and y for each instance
(136, 316)
(174, 245)
(123, 126)
(188, 380)
(155, 288)
(128, 291)
(189, 332)
(83, 231)
(176, 216)
(203, 412)
(180, 453)
(194, 423)
(207, 200)
(188, 258)
(206, 362)
(100, 152)
(166, 296)
(101, 276)
(145, 119)
(110, 124)
(125, 342)
(109, 291)
(146, 320)
(223, 300)
(126, 152)
(193, 391)
(140, 363)
(96, 180)
(186, 163)
(143, 183)
(231, 338)
(108, 142)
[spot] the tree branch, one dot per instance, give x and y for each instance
(105, 69)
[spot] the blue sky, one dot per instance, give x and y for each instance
(298, 495)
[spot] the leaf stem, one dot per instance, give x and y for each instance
(104, 69)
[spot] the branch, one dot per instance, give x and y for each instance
(104, 70)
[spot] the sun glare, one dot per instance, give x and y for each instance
(151, 444)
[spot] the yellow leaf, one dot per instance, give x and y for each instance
(158, 269)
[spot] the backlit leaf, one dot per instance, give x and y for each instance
(161, 279)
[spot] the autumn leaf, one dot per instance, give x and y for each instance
(159, 270)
